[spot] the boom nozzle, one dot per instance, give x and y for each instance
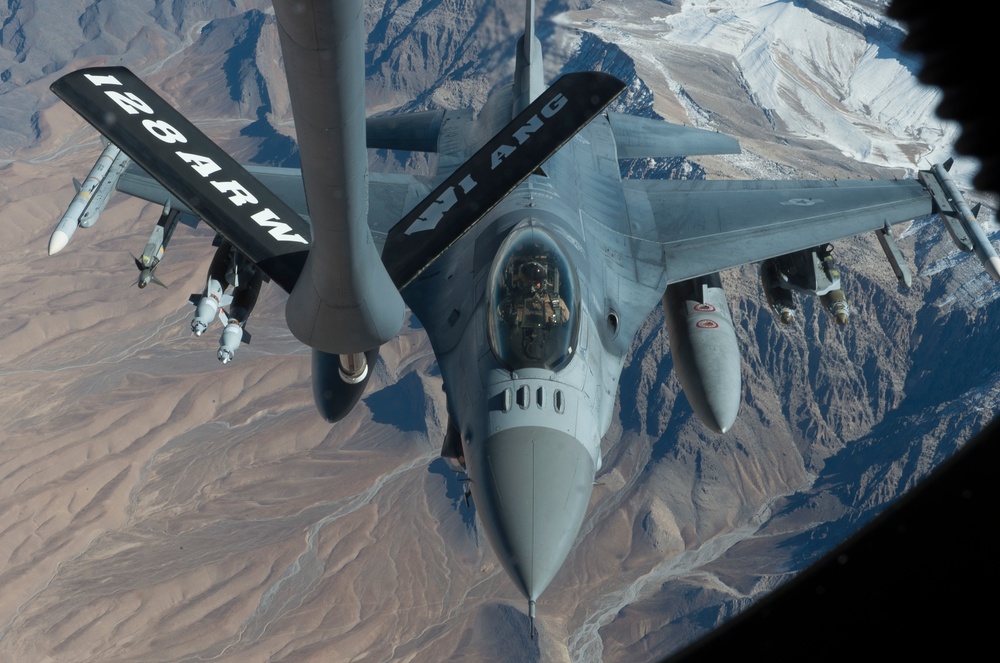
(353, 368)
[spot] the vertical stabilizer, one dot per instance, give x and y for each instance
(529, 82)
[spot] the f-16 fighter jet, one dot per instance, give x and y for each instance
(528, 259)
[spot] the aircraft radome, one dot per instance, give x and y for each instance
(495, 256)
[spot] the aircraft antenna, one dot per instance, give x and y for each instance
(529, 28)
(529, 79)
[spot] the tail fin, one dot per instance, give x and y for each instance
(529, 81)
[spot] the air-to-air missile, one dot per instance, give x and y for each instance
(949, 203)
(150, 258)
(810, 271)
(91, 196)
(703, 346)
(233, 282)
(157, 244)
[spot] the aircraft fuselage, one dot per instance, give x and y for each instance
(525, 330)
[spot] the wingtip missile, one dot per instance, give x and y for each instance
(993, 267)
(91, 196)
(105, 188)
(951, 205)
(60, 238)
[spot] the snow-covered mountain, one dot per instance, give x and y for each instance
(157, 506)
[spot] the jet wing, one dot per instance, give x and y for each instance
(196, 171)
(704, 226)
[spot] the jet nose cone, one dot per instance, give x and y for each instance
(532, 489)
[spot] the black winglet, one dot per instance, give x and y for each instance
(454, 207)
(191, 167)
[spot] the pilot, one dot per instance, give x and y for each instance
(531, 277)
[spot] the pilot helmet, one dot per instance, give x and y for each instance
(533, 274)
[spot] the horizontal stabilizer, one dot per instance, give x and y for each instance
(454, 207)
(640, 137)
(415, 132)
(196, 171)
(189, 220)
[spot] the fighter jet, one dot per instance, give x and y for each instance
(527, 258)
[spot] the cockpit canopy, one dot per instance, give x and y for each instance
(534, 306)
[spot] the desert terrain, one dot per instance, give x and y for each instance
(156, 505)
